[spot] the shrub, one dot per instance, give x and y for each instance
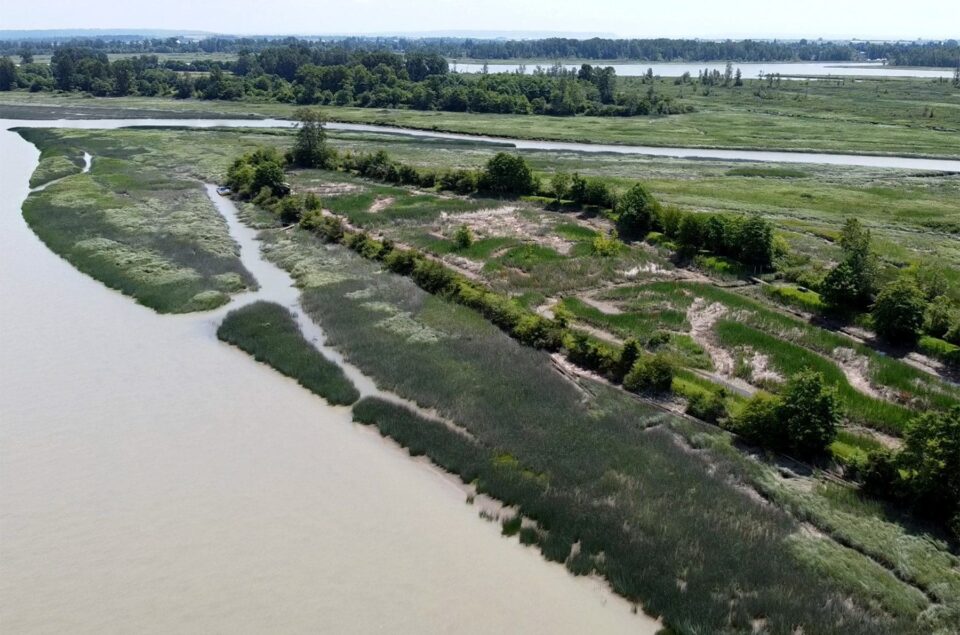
(289, 210)
(850, 285)
(596, 356)
(508, 174)
(879, 474)
(329, 228)
(460, 181)
(710, 407)
(431, 276)
(463, 237)
(940, 315)
(401, 261)
(653, 373)
(898, 311)
(930, 460)
(590, 192)
(810, 413)
(560, 184)
(759, 422)
(268, 175)
(311, 202)
(636, 210)
(606, 246)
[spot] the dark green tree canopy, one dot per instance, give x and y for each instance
(898, 311)
(810, 413)
(931, 458)
(636, 210)
(508, 174)
(310, 150)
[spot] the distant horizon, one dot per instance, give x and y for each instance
(41, 33)
(887, 20)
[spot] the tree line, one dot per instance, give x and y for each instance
(935, 53)
(310, 76)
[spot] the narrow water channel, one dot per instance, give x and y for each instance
(154, 479)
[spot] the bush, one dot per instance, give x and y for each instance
(940, 316)
(930, 460)
(898, 311)
(596, 356)
(401, 261)
(289, 210)
(431, 276)
(460, 181)
(508, 174)
(463, 237)
(606, 246)
(710, 407)
(329, 228)
(636, 211)
(590, 192)
(810, 413)
(653, 373)
(759, 421)
(879, 474)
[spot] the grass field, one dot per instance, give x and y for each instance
(881, 116)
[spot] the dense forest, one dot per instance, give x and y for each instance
(944, 54)
(309, 75)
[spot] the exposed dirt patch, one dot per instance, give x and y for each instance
(702, 318)
(650, 268)
(546, 309)
(600, 334)
(760, 370)
(333, 189)
(604, 306)
(507, 221)
(855, 367)
(381, 204)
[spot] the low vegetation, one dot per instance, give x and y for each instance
(134, 227)
(271, 334)
(482, 290)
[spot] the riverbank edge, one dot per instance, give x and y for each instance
(330, 113)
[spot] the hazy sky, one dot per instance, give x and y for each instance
(626, 18)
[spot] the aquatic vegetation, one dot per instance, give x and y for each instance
(269, 333)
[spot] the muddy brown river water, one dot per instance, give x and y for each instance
(154, 479)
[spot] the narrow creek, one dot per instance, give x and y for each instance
(276, 285)
(153, 479)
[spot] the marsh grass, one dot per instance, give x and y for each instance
(664, 513)
(778, 172)
(269, 333)
(137, 228)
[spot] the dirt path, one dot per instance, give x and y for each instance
(855, 367)
(702, 318)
